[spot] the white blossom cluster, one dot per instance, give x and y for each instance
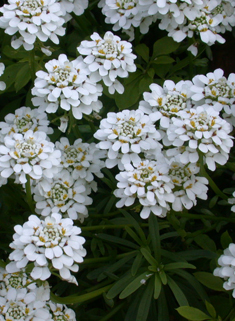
(28, 154)
(67, 85)
(52, 244)
(22, 120)
(22, 299)
(226, 269)
(30, 20)
(206, 19)
(125, 135)
(76, 6)
(108, 58)
(216, 90)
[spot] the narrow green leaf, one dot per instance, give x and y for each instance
(133, 235)
(178, 265)
(157, 286)
(213, 201)
(164, 46)
(225, 240)
(22, 77)
(210, 309)
(178, 293)
(192, 314)
(192, 255)
(205, 242)
(163, 277)
(180, 65)
(145, 302)
(79, 298)
(117, 240)
(193, 282)
(134, 285)
(210, 281)
(143, 51)
(136, 225)
(136, 264)
(163, 313)
(149, 257)
(119, 286)
(155, 236)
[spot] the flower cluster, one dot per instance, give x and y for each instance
(28, 154)
(227, 268)
(32, 20)
(62, 194)
(214, 89)
(125, 135)
(108, 58)
(150, 183)
(23, 120)
(67, 85)
(22, 299)
(51, 241)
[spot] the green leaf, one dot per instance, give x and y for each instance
(205, 242)
(136, 264)
(144, 83)
(146, 253)
(9, 75)
(163, 60)
(180, 65)
(145, 301)
(225, 240)
(210, 309)
(157, 286)
(155, 236)
(210, 281)
(22, 77)
(192, 255)
(15, 54)
(134, 285)
(163, 313)
(178, 293)
(163, 277)
(119, 285)
(134, 235)
(143, 51)
(192, 313)
(117, 240)
(135, 224)
(164, 46)
(178, 265)
(213, 201)
(130, 96)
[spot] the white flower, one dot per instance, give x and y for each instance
(214, 89)
(227, 268)
(83, 160)
(67, 85)
(24, 119)
(53, 241)
(62, 194)
(76, 6)
(188, 186)
(203, 130)
(232, 201)
(2, 83)
(108, 58)
(149, 182)
(168, 100)
(29, 154)
(126, 14)
(125, 135)
(61, 312)
(32, 19)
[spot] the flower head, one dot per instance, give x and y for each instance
(51, 241)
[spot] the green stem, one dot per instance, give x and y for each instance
(106, 227)
(212, 184)
(107, 258)
(80, 298)
(29, 194)
(209, 217)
